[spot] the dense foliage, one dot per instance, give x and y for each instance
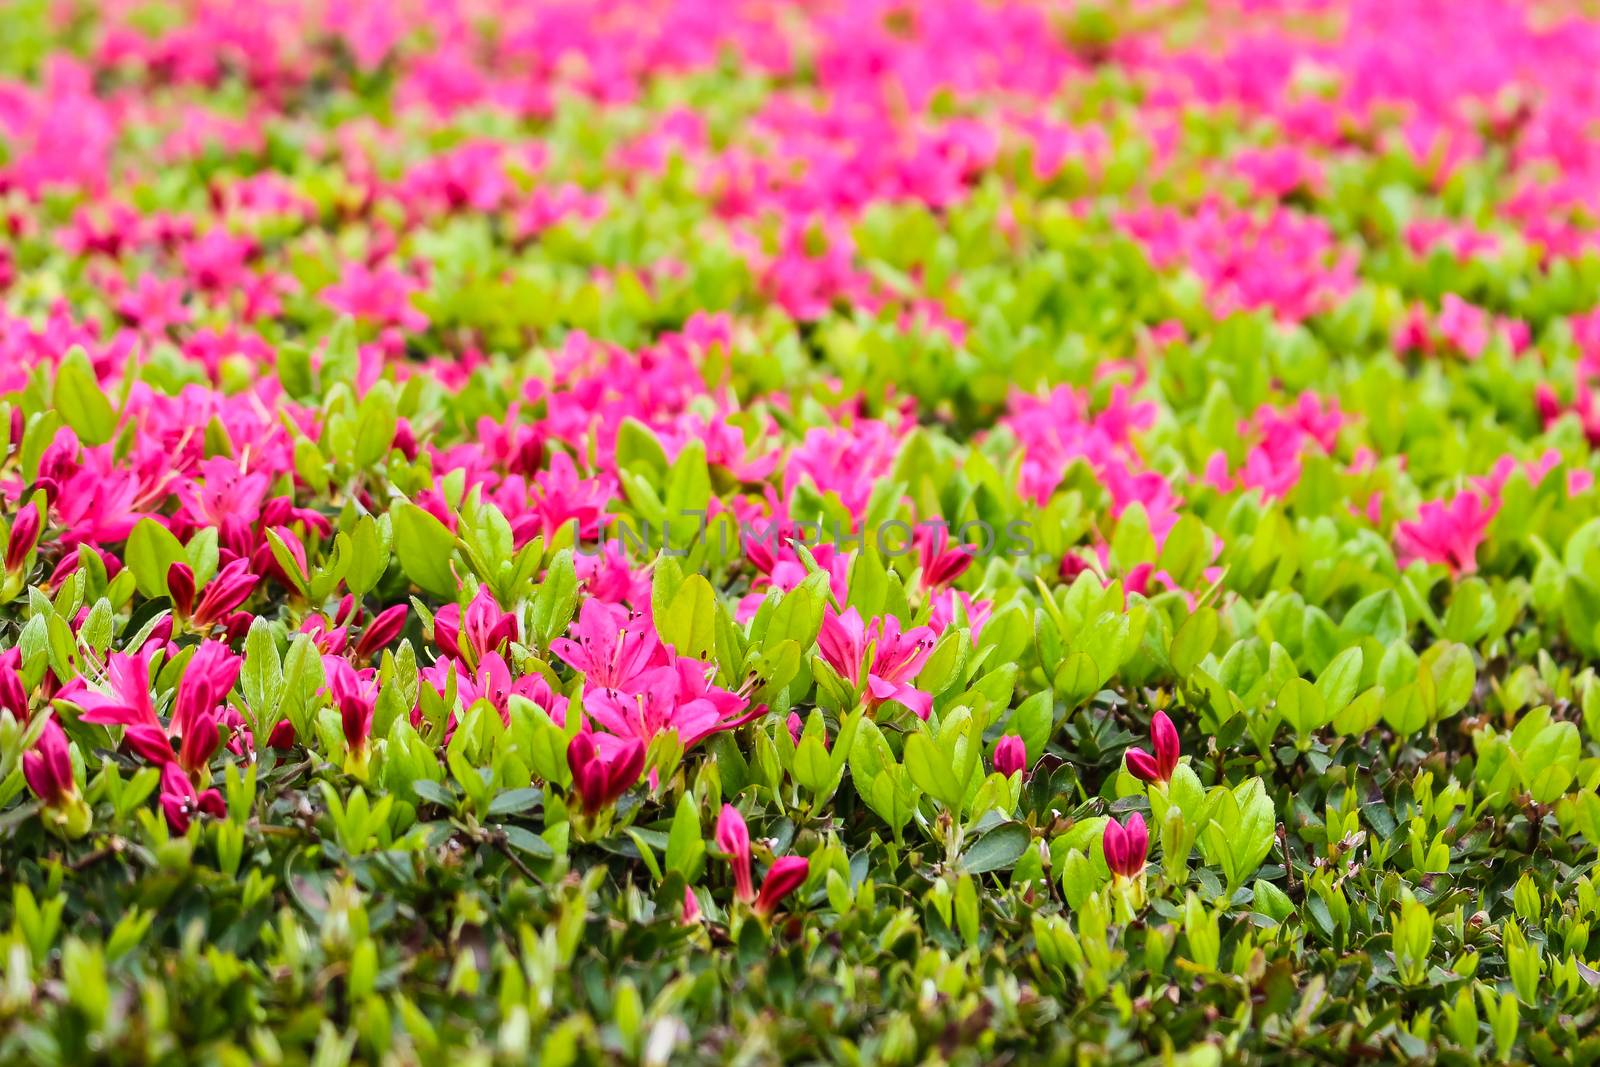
(740, 531)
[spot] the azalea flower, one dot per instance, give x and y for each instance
(180, 802)
(230, 588)
(1125, 846)
(611, 647)
(600, 780)
(786, 874)
(128, 702)
(484, 628)
(23, 538)
(1447, 533)
(355, 694)
(48, 767)
(733, 838)
(896, 657)
(676, 697)
(1010, 755)
(1164, 740)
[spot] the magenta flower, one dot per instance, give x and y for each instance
(691, 907)
(676, 697)
(484, 628)
(1126, 846)
(128, 703)
(611, 648)
(1164, 740)
(180, 801)
(24, 537)
(599, 781)
(1447, 533)
(941, 563)
(733, 838)
(382, 630)
(13, 694)
(48, 767)
(1010, 755)
(896, 657)
(355, 695)
(783, 877)
(225, 494)
(207, 679)
(231, 587)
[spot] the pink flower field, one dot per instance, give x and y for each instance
(757, 531)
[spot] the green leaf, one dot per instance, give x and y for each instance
(1192, 642)
(425, 547)
(997, 850)
(151, 551)
(81, 400)
(685, 847)
(690, 624)
(371, 542)
(932, 771)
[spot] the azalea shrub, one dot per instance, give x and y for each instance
(966, 531)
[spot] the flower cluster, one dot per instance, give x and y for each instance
(466, 467)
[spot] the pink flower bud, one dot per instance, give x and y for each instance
(24, 537)
(1010, 755)
(180, 587)
(733, 838)
(600, 782)
(48, 767)
(784, 877)
(180, 802)
(691, 907)
(1126, 846)
(1164, 740)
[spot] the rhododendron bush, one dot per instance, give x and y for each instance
(748, 531)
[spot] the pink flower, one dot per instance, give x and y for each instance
(13, 694)
(610, 647)
(783, 877)
(1164, 740)
(225, 495)
(1126, 846)
(597, 780)
(941, 563)
(24, 537)
(1010, 755)
(382, 296)
(1464, 325)
(896, 658)
(48, 767)
(691, 907)
(733, 838)
(231, 587)
(1447, 533)
(384, 628)
(485, 628)
(180, 802)
(355, 695)
(128, 703)
(676, 697)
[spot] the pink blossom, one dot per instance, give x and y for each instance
(1010, 755)
(1164, 741)
(896, 657)
(1125, 846)
(180, 802)
(612, 648)
(1447, 532)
